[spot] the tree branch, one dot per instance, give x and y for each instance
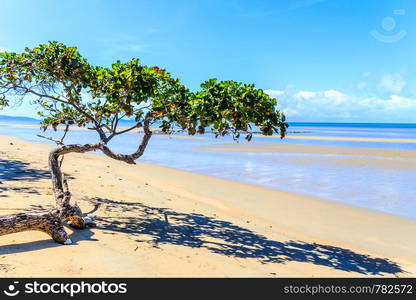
(62, 196)
(123, 131)
(58, 142)
(130, 159)
(79, 109)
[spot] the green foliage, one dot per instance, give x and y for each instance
(231, 107)
(71, 91)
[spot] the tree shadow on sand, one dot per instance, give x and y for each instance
(13, 170)
(18, 170)
(165, 226)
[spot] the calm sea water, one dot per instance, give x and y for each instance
(388, 190)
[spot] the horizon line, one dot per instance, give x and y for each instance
(290, 122)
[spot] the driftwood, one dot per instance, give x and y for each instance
(52, 222)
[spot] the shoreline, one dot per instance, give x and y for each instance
(157, 131)
(290, 230)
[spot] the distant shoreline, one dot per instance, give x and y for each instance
(301, 137)
(294, 124)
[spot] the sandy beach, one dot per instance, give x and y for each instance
(155, 221)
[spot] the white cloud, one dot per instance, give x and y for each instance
(304, 95)
(395, 102)
(392, 83)
(336, 106)
(334, 94)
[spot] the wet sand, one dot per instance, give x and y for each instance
(352, 139)
(314, 149)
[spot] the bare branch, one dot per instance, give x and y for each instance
(78, 108)
(65, 133)
(130, 159)
(114, 124)
(123, 131)
(28, 90)
(58, 142)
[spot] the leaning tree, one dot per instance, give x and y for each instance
(71, 92)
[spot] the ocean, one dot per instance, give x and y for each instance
(390, 190)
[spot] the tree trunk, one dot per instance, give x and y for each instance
(42, 222)
(52, 221)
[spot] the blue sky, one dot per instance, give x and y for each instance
(324, 60)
